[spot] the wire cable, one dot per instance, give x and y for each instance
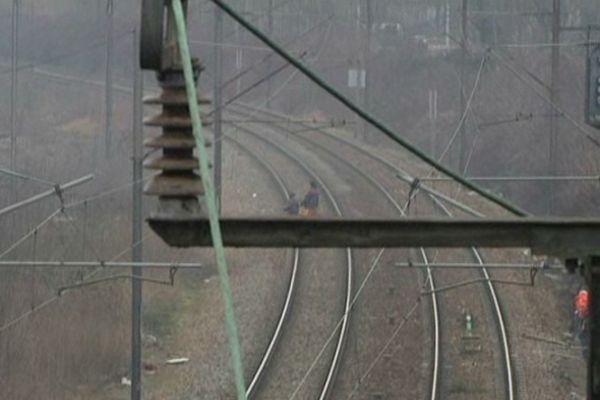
(405, 319)
(414, 191)
(365, 115)
(465, 111)
(54, 298)
(23, 238)
(27, 177)
(556, 108)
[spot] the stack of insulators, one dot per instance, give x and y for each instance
(178, 185)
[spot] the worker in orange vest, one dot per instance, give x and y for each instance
(582, 301)
(582, 312)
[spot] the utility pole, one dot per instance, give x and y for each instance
(463, 61)
(218, 101)
(359, 67)
(433, 99)
(136, 228)
(109, 65)
(366, 93)
(554, 99)
(14, 76)
(269, 63)
(447, 24)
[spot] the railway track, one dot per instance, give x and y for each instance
(342, 327)
(435, 196)
(436, 362)
(267, 356)
(492, 296)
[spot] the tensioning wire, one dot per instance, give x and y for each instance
(210, 199)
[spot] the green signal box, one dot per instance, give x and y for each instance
(592, 107)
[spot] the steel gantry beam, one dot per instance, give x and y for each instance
(549, 235)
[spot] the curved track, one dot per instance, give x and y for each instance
(437, 199)
(287, 305)
(436, 362)
(344, 321)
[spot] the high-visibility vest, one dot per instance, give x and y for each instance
(582, 302)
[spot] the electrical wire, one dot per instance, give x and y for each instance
(27, 177)
(307, 72)
(23, 238)
(415, 191)
(4, 327)
(374, 265)
(106, 193)
(544, 45)
(76, 52)
(405, 319)
(465, 111)
(556, 108)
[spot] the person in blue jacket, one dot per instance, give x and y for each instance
(310, 203)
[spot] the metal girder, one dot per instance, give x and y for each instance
(565, 237)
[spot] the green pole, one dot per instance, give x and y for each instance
(211, 205)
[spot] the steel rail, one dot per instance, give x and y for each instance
(494, 299)
(491, 291)
(489, 284)
(429, 275)
(253, 385)
(499, 315)
(336, 359)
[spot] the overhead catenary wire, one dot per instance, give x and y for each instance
(23, 238)
(543, 45)
(331, 336)
(402, 175)
(385, 347)
(537, 91)
(26, 177)
(366, 116)
(76, 52)
(22, 317)
(106, 193)
(533, 178)
(57, 190)
(455, 134)
(466, 265)
(463, 117)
